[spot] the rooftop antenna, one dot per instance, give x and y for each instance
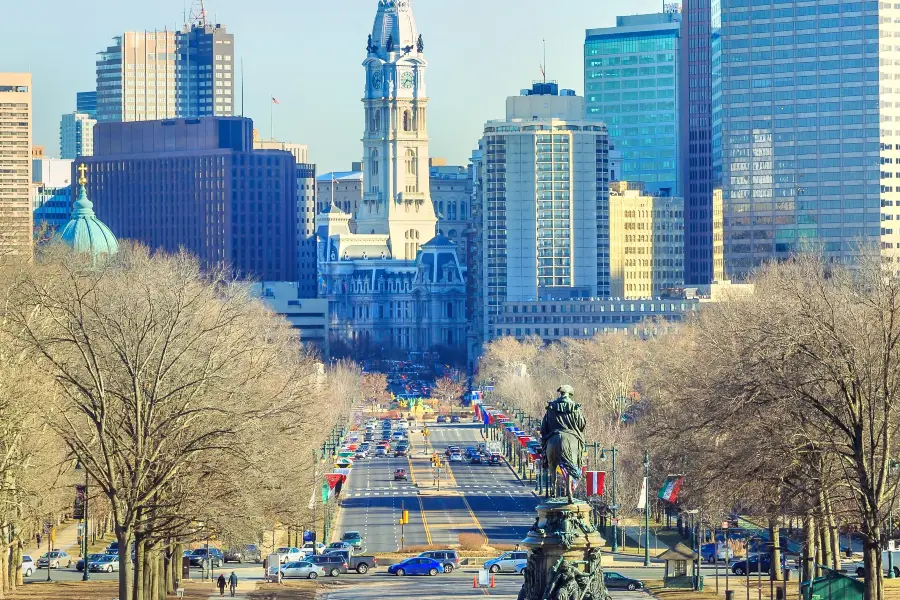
(198, 13)
(544, 64)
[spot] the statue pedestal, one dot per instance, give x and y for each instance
(564, 554)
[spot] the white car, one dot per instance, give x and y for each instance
(106, 564)
(28, 566)
(307, 548)
(456, 457)
(508, 562)
(302, 569)
(288, 554)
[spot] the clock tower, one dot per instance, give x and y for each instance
(396, 194)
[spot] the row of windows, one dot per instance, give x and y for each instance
(799, 11)
(791, 53)
(799, 39)
(628, 45)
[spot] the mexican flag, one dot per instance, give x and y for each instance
(669, 490)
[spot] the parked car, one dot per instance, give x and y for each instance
(753, 564)
(333, 564)
(417, 565)
(198, 557)
(442, 419)
(359, 563)
(244, 553)
(54, 560)
(338, 546)
(302, 569)
(354, 538)
(288, 554)
(508, 562)
(105, 564)
(455, 419)
(400, 475)
(28, 566)
(113, 548)
(307, 548)
(449, 559)
(712, 552)
(79, 565)
(617, 581)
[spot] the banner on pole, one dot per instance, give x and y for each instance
(80, 493)
(642, 500)
(594, 482)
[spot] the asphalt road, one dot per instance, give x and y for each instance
(473, 498)
(248, 570)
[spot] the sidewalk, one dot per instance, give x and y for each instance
(636, 533)
(66, 539)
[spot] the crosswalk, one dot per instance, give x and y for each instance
(411, 491)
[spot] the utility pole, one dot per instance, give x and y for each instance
(647, 508)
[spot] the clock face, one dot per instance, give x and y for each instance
(408, 80)
(376, 80)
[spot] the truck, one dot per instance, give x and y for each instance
(360, 564)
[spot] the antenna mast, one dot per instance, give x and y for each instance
(198, 13)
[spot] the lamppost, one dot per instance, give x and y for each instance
(893, 468)
(85, 576)
(647, 508)
(614, 507)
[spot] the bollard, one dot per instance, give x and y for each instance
(475, 581)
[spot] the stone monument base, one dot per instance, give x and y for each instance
(564, 554)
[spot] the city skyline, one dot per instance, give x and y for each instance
(504, 57)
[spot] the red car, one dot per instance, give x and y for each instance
(400, 475)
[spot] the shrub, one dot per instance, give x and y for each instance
(472, 541)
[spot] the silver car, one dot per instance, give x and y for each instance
(302, 570)
(28, 566)
(508, 562)
(105, 564)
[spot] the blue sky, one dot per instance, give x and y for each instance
(307, 53)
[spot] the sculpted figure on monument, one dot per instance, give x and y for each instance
(562, 439)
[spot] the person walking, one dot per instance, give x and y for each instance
(220, 583)
(232, 583)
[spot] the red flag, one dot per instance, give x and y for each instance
(333, 478)
(275, 100)
(594, 482)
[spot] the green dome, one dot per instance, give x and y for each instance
(85, 232)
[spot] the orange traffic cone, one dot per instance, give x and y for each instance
(492, 581)
(475, 581)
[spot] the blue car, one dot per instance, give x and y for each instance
(416, 566)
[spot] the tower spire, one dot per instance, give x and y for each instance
(198, 13)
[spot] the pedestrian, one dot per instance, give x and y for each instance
(39, 540)
(265, 569)
(220, 583)
(232, 583)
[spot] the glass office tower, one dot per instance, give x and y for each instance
(630, 82)
(804, 118)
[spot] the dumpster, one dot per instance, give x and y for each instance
(833, 585)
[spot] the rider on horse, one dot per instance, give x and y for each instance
(562, 437)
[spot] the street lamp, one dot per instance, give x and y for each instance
(85, 575)
(646, 508)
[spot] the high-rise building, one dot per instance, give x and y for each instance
(804, 129)
(306, 229)
(393, 286)
(545, 197)
(343, 189)
(214, 196)
(695, 143)
(15, 158)
(718, 237)
(451, 193)
(299, 151)
(646, 242)
(51, 183)
(76, 135)
(86, 103)
(475, 242)
(205, 79)
(136, 77)
(631, 85)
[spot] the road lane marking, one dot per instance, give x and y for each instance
(474, 518)
(424, 522)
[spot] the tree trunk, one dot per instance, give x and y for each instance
(139, 568)
(874, 579)
(4, 569)
(15, 579)
(775, 538)
(161, 580)
(126, 574)
(825, 541)
(176, 566)
(809, 547)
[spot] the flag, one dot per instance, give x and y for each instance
(275, 100)
(594, 482)
(333, 479)
(669, 490)
(642, 500)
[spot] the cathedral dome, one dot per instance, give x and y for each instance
(85, 232)
(394, 22)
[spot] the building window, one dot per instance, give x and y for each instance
(374, 160)
(411, 168)
(407, 120)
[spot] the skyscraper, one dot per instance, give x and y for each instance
(205, 69)
(695, 131)
(545, 197)
(86, 103)
(76, 135)
(136, 77)
(804, 139)
(15, 158)
(631, 85)
(451, 193)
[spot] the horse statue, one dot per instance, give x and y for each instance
(562, 440)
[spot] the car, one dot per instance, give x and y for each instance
(243, 553)
(198, 557)
(105, 564)
(417, 565)
(365, 446)
(508, 562)
(450, 450)
(400, 451)
(711, 552)
(332, 564)
(28, 566)
(475, 460)
(308, 548)
(288, 554)
(354, 538)
(495, 459)
(381, 451)
(753, 564)
(54, 560)
(398, 435)
(470, 451)
(338, 546)
(360, 564)
(361, 454)
(79, 565)
(113, 548)
(302, 570)
(369, 437)
(449, 559)
(617, 581)
(400, 475)
(455, 419)
(442, 419)
(456, 457)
